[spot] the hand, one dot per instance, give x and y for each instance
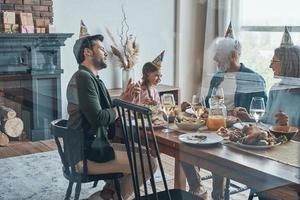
(149, 102)
(132, 90)
(282, 119)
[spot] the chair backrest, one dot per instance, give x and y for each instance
(140, 133)
(69, 145)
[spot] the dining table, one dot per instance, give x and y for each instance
(257, 172)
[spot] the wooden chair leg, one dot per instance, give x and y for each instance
(227, 191)
(95, 184)
(77, 191)
(118, 188)
(69, 191)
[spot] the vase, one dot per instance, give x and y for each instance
(126, 75)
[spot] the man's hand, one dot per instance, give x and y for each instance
(132, 90)
(282, 118)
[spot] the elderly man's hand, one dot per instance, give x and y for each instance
(132, 90)
(282, 119)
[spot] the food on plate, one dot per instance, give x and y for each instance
(153, 108)
(188, 123)
(199, 138)
(250, 135)
(157, 122)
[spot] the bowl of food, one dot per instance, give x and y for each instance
(189, 124)
(288, 131)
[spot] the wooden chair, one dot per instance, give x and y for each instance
(136, 135)
(67, 144)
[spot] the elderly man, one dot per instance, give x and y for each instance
(239, 83)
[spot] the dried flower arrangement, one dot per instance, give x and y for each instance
(128, 50)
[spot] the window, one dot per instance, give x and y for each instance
(261, 31)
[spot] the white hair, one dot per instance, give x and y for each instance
(226, 46)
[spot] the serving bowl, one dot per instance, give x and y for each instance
(190, 125)
(288, 131)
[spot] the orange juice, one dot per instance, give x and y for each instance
(215, 122)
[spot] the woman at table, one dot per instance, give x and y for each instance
(283, 104)
(151, 77)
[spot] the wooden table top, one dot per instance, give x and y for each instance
(238, 165)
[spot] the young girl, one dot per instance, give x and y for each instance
(151, 77)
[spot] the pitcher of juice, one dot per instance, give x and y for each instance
(217, 115)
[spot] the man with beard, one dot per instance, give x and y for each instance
(91, 112)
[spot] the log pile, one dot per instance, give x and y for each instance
(10, 125)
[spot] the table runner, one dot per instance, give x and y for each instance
(288, 153)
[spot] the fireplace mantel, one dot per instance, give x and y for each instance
(30, 78)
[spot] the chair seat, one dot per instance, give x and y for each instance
(90, 178)
(175, 194)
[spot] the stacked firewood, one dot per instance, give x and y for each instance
(10, 125)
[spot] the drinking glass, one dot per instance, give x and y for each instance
(167, 105)
(257, 108)
(198, 105)
(217, 94)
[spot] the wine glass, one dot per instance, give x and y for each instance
(217, 94)
(198, 105)
(167, 105)
(257, 108)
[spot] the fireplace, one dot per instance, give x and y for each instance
(30, 79)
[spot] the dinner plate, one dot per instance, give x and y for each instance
(240, 125)
(210, 139)
(248, 146)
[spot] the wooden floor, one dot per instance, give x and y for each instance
(24, 148)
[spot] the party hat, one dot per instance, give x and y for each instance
(83, 30)
(158, 60)
(286, 39)
(229, 31)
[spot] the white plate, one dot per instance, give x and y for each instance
(240, 125)
(190, 111)
(248, 146)
(211, 138)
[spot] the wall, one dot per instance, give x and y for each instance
(38, 8)
(152, 21)
(191, 16)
